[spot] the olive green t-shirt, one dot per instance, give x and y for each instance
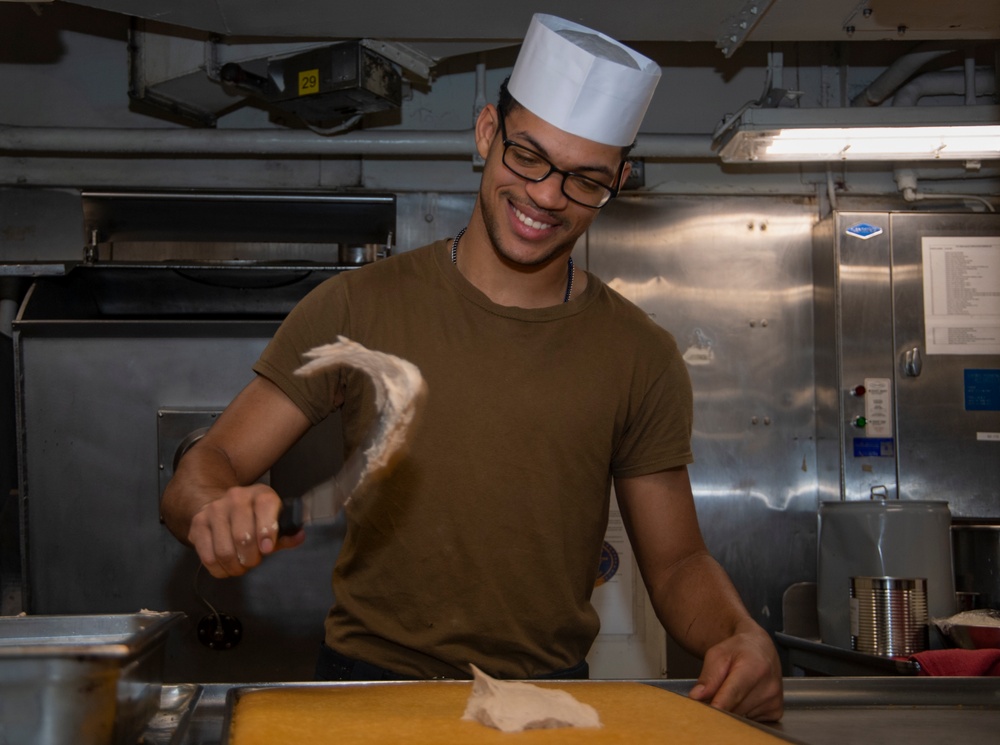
(482, 545)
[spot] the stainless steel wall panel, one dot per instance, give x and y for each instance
(730, 278)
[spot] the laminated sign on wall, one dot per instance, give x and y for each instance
(962, 294)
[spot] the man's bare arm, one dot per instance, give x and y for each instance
(694, 598)
(212, 502)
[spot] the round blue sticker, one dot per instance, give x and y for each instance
(608, 567)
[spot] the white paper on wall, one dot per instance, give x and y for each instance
(961, 294)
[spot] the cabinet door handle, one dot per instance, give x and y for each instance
(912, 362)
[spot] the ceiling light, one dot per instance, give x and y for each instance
(901, 134)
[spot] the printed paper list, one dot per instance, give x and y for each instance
(962, 294)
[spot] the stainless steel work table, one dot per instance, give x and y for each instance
(818, 711)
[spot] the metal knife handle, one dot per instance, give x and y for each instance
(291, 517)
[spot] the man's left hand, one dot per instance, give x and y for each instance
(742, 674)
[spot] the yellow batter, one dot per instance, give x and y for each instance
(429, 713)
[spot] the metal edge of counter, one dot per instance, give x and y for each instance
(192, 714)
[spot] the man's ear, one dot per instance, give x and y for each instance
(625, 172)
(487, 127)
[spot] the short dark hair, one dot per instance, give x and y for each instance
(507, 103)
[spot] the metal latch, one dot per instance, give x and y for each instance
(912, 362)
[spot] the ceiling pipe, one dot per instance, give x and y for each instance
(948, 83)
(278, 142)
(898, 73)
(134, 141)
(906, 181)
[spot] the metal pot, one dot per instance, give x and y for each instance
(977, 563)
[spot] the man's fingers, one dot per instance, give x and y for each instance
(234, 533)
(731, 697)
(746, 699)
(713, 674)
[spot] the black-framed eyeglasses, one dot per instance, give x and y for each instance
(526, 163)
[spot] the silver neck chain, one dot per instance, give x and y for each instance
(570, 271)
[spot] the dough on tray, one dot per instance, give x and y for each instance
(513, 706)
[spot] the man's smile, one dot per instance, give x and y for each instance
(531, 223)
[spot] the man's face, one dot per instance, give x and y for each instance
(531, 223)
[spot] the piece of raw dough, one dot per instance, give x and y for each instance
(513, 706)
(399, 392)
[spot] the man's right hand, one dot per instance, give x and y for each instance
(215, 503)
(234, 533)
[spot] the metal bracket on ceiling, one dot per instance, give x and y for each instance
(850, 23)
(736, 29)
(410, 59)
(403, 55)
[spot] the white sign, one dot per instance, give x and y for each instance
(878, 407)
(962, 294)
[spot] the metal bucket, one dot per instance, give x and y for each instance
(882, 538)
(889, 615)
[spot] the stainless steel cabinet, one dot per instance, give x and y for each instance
(908, 357)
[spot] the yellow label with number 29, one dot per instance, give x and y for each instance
(308, 82)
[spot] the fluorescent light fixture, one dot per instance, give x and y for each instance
(923, 133)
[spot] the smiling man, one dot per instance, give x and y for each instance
(545, 389)
(530, 212)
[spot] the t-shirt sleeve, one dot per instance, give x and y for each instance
(317, 319)
(658, 435)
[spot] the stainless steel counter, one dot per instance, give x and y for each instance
(818, 711)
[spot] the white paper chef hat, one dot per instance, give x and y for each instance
(582, 81)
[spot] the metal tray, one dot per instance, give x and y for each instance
(814, 656)
(234, 694)
(90, 680)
